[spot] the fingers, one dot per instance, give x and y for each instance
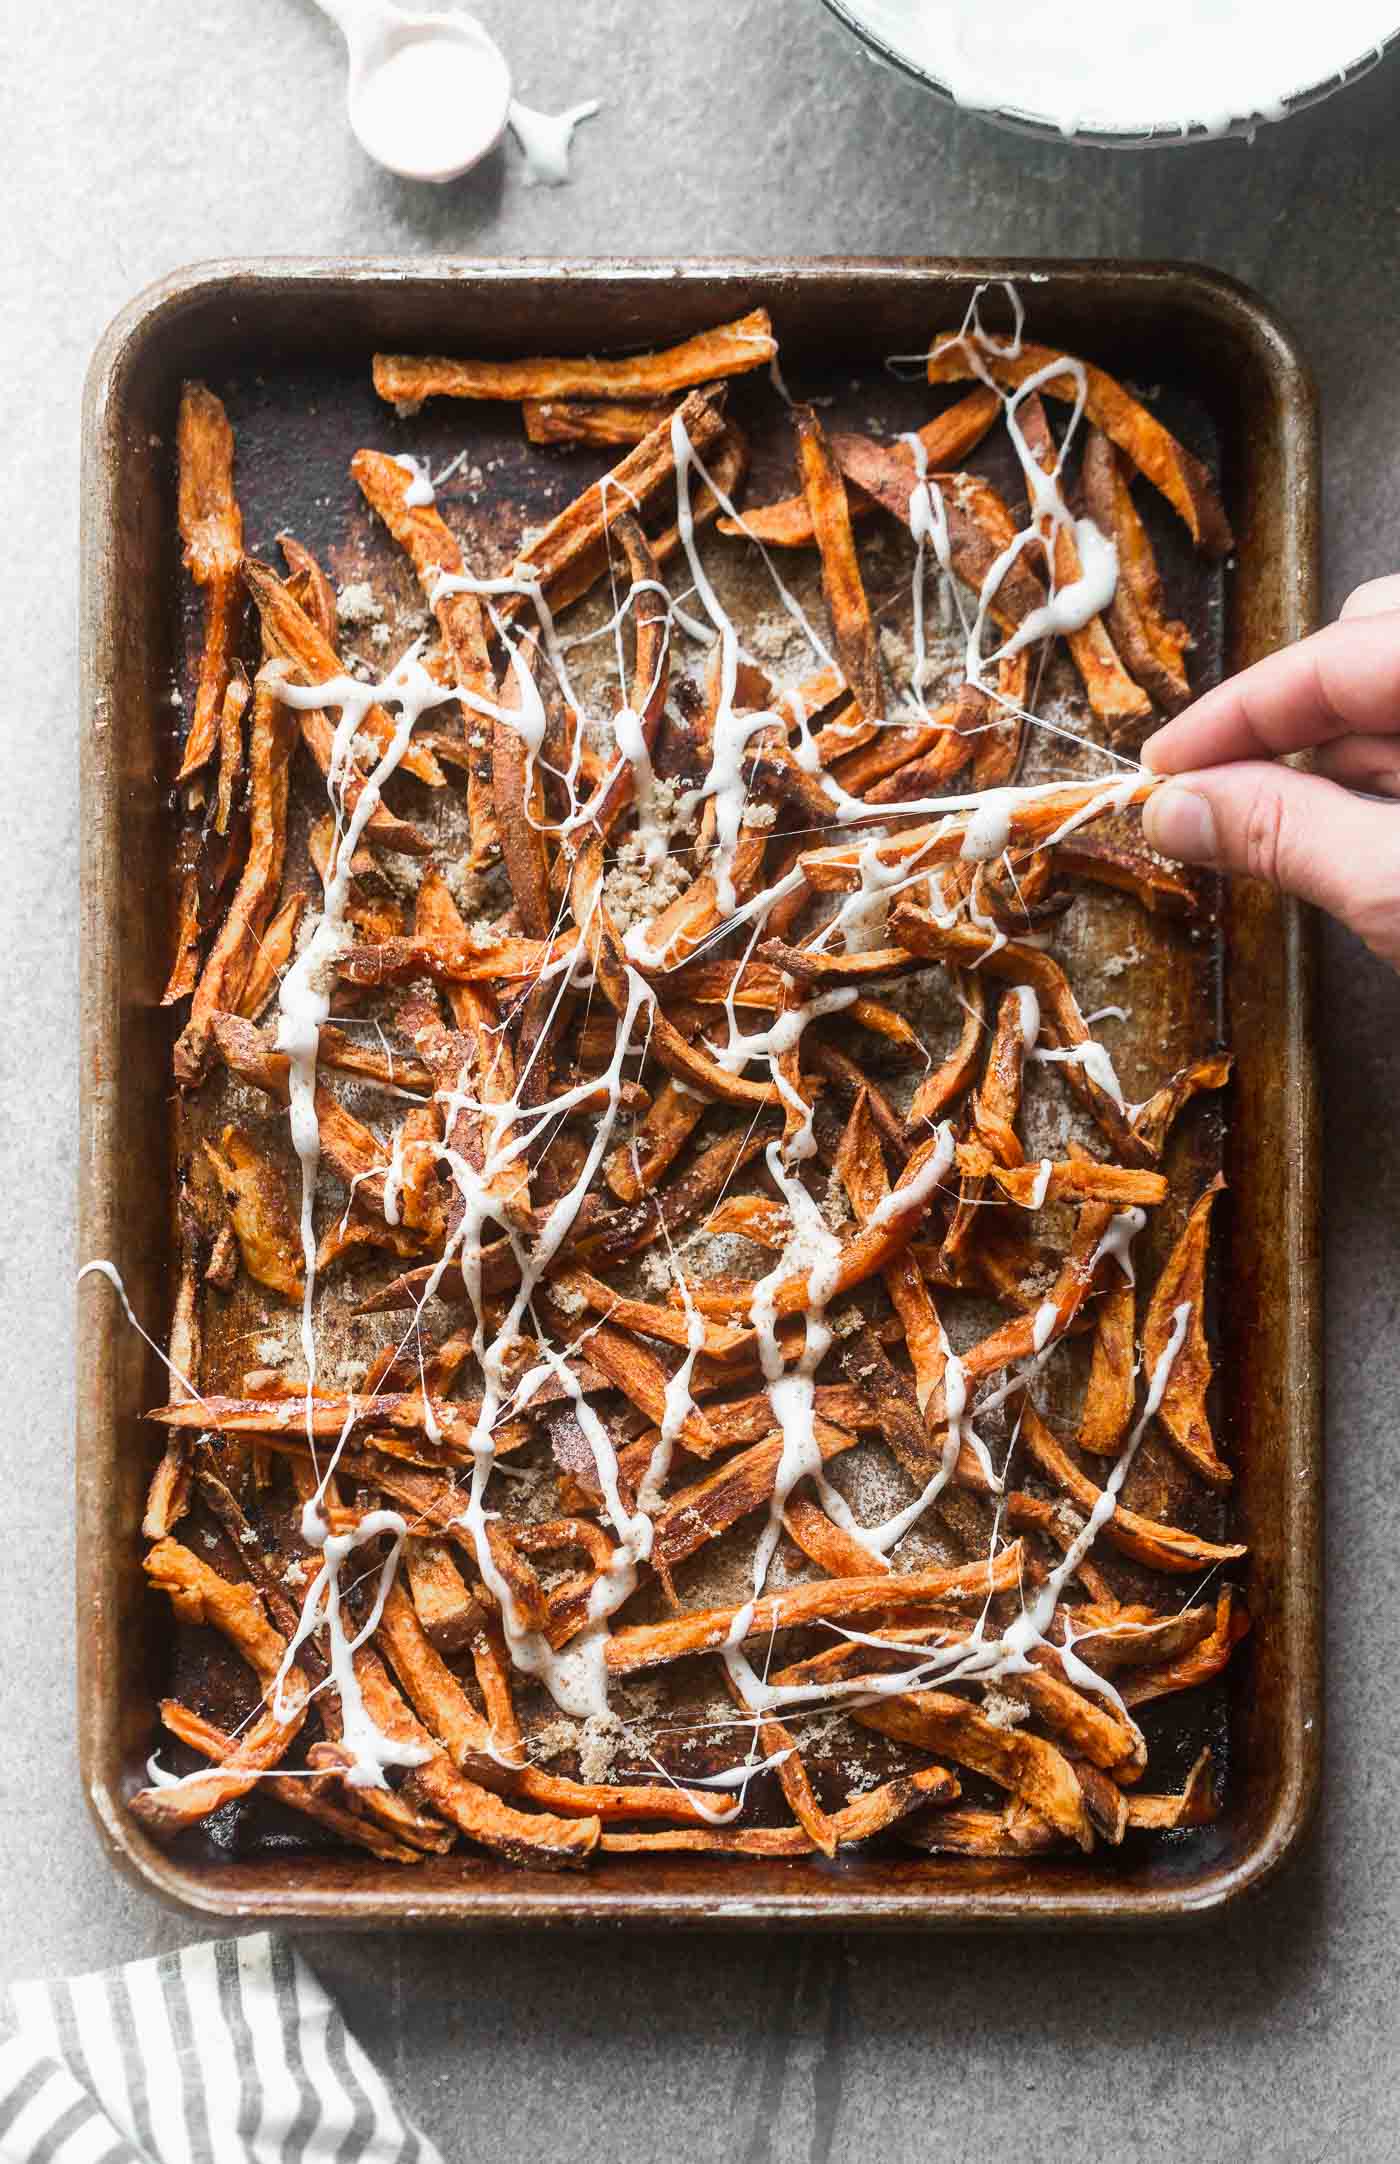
(1298, 831)
(1344, 681)
(1362, 762)
(1374, 598)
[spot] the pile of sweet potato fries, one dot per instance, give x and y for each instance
(567, 923)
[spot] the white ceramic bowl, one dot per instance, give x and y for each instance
(906, 35)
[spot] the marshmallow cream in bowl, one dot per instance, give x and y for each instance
(1128, 71)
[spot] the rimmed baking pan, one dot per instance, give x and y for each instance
(291, 333)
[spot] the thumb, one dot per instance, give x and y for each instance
(1297, 831)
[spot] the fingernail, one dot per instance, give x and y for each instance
(1177, 822)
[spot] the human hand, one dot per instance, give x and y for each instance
(1231, 805)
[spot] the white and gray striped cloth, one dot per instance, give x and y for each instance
(223, 2054)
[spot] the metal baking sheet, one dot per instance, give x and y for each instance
(288, 347)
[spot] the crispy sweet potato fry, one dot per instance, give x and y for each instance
(1203, 1661)
(261, 1213)
(1115, 699)
(1153, 1121)
(1034, 1771)
(1159, 1547)
(849, 610)
(860, 1167)
(1195, 1806)
(1182, 479)
(270, 958)
(294, 1795)
(592, 420)
(946, 440)
(211, 527)
(1074, 1180)
(536, 1838)
(730, 349)
(856, 1821)
(294, 636)
(231, 712)
(650, 1645)
(1154, 648)
(1108, 1395)
(571, 553)
(225, 975)
(199, 1595)
(448, 1611)
(1182, 1413)
(184, 970)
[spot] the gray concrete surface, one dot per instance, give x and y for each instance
(144, 136)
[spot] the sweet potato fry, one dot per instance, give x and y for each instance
(943, 1085)
(1074, 1180)
(877, 1243)
(651, 1645)
(1032, 1769)
(184, 970)
(856, 1821)
(1159, 1547)
(260, 1211)
(1118, 702)
(860, 1167)
(231, 712)
(523, 1837)
(293, 635)
(199, 1595)
(946, 441)
(432, 548)
(1195, 1806)
(211, 527)
(1182, 1413)
(270, 957)
(730, 349)
(1161, 887)
(225, 975)
(1108, 1395)
(1200, 1664)
(674, 1114)
(448, 1611)
(689, 1064)
(1154, 647)
(294, 1795)
(1153, 1122)
(571, 553)
(852, 629)
(699, 1513)
(1157, 455)
(592, 420)
(311, 589)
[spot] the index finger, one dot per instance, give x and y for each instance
(1344, 681)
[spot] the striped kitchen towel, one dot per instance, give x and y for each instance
(222, 2054)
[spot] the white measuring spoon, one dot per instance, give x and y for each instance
(428, 94)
